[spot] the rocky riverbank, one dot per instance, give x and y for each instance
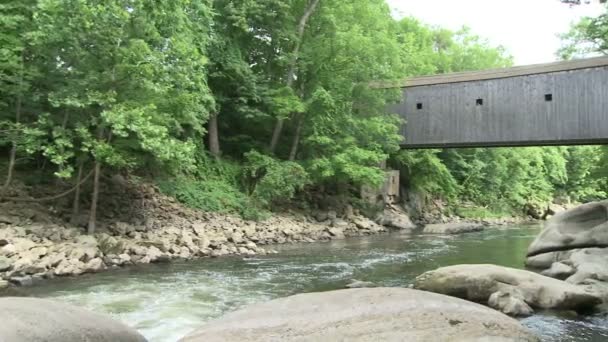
(139, 225)
(37, 245)
(37, 252)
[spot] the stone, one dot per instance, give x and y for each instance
(559, 270)
(236, 237)
(3, 284)
(39, 251)
(23, 263)
(124, 259)
(509, 304)
(396, 218)
(585, 226)
(153, 253)
(358, 284)
(94, 266)
(364, 223)
(86, 240)
(453, 228)
(69, 267)
(5, 264)
(478, 282)
(8, 250)
(203, 241)
(22, 245)
(336, 233)
(34, 269)
(34, 319)
(19, 281)
(379, 314)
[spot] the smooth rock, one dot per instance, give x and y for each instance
(453, 228)
(380, 314)
(5, 264)
(335, 232)
(94, 266)
(20, 281)
(358, 284)
(559, 270)
(8, 250)
(478, 282)
(397, 219)
(509, 304)
(585, 226)
(33, 319)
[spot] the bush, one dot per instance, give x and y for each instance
(270, 181)
(208, 195)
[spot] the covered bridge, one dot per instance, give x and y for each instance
(562, 103)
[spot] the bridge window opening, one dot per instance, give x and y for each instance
(419, 105)
(479, 102)
(548, 97)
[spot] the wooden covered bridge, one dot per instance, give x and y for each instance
(562, 103)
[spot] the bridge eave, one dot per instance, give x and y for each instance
(439, 145)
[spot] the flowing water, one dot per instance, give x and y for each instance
(165, 302)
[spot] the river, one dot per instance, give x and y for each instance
(165, 302)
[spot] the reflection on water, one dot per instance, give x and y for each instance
(165, 302)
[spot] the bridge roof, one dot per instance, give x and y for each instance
(469, 76)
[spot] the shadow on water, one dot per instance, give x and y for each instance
(167, 301)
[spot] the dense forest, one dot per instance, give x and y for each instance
(241, 106)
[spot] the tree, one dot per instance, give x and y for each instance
(16, 72)
(133, 78)
(589, 36)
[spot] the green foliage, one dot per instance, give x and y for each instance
(425, 172)
(131, 84)
(270, 181)
(481, 212)
(209, 195)
(588, 36)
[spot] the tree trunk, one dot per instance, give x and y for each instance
(93, 213)
(76, 204)
(214, 139)
(13, 153)
(291, 73)
(296, 138)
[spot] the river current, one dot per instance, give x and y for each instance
(165, 302)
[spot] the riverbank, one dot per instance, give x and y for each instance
(32, 250)
(140, 225)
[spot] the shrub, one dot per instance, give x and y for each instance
(271, 181)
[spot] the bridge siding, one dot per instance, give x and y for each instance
(514, 111)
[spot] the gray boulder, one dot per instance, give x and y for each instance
(585, 226)
(380, 314)
(574, 246)
(479, 282)
(509, 304)
(453, 228)
(33, 319)
(559, 270)
(358, 284)
(5, 264)
(395, 217)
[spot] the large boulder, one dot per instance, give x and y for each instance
(479, 282)
(380, 314)
(453, 228)
(574, 246)
(585, 226)
(33, 319)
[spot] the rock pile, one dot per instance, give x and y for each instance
(158, 229)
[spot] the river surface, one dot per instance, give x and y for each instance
(165, 302)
